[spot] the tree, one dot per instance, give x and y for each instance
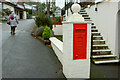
(6, 12)
(53, 7)
(48, 6)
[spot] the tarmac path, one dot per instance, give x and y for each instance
(23, 56)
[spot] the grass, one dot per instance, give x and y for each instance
(59, 37)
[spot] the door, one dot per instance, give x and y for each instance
(21, 14)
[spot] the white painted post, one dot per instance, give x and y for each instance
(24, 15)
(79, 68)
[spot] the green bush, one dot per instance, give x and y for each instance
(39, 31)
(59, 20)
(43, 20)
(46, 33)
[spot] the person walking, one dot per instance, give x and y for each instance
(12, 21)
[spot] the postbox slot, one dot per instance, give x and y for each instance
(79, 41)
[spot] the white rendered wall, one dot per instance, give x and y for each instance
(119, 5)
(58, 29)
(105, 19)
(75, 68)
(118, 29)
(57, 46)
(24, 15)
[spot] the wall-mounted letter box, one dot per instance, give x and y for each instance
(79, 41)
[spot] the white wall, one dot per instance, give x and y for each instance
(24, 15)
(118, 33)
(57, 46)
(77, 68)
(105, 19)
(10, 7)
(119, 5)
(58, 29)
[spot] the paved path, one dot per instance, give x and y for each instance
(26, 57)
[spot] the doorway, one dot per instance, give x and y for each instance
(21, 14)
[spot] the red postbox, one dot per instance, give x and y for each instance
(79, 41)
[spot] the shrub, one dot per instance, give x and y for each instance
(59, 20)
(43, 20)
(39, 31)
(46, 33)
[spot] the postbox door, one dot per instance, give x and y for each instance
(79, 41)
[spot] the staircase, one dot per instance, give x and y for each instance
(100, 51)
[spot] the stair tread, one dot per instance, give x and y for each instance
(97, 36)
(98, 40)
(102, 50)
(94, 29)
(100, 45)
(103, 55)
(95, 32)
(86, 17)
(82, 12)
(105, 59)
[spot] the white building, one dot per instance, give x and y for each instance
(57, 12)
(105, 17)
(16, 7)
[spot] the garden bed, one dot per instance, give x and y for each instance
(46, 42)
(59, 37)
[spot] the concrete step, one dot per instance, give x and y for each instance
(98, 42)
(106, 60)
(88, 20)
(104, 56)
(99, 47)
(94, 30)
(97, 38)
(82, 12)
(92, 23)
(94, 27)
(96, 33)
(85, 15)
(105, 51)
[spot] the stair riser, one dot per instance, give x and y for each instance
(93, 27)
(101, 52)
(98, 42)
(86, 18)
(94, 30)
(85, 15)
(97, 38)
(96, 34)
(82, 11)
(92, 23)
(99, 47)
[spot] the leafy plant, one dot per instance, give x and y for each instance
(46, 33)
(39, 31)
(43, 20)
(58, 20)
